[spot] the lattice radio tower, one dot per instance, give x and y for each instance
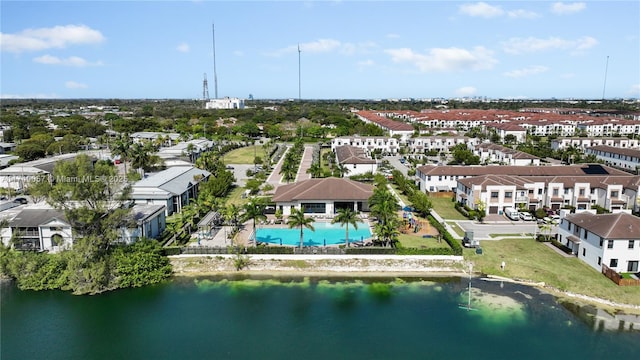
(205, 88)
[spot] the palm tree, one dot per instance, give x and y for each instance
(140, 157)
(254, 210)
(296, 219)
(315, 170)
(383, 204)
(122, 147)
(232, 214)
(341, 170)
(288, 170)
(387, 232)
(347, 216)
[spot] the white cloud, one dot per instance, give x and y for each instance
(522, 14)
(445, 59)
(466, 91)
(75, 85)
(183, 47)
(324, 46)
(70, 61)
(48, 38)
(481, 9)
(634, 90)
(560, 8)
(531, 70)
(531, 44)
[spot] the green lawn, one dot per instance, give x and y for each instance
(444, 208)
(527, 259)
(402, 196)
(243, 155)
(235, 197)
(418, 242)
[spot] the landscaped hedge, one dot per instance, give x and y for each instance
(455, 246)
(398, 251)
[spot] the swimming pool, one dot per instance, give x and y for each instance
(325, 234)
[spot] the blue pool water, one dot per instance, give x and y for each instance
(325, 234)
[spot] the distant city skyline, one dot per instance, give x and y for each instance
(347, 49)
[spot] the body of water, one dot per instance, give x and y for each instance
(217, 318)
(324, 234)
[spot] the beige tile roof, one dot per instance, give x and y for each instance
(352, 155)
(331, 188)
(608, 226)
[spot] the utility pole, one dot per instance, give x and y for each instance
(606, 67)
(299, 79)
(215, 74)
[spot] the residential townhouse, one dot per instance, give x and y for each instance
(437, 178)
(174, 188)
(586, 142)
(603, 241)
(355, 160)
(190, 150)
(387, 145)
(420, 145)
(402, 129)
(609, 127)
(628, 159)
(503, 130)
(497, 192)
(490, 153)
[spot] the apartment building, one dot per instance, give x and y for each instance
(393, 127)
(628, 159)
(498, 192)
(420, 145)
(586, 142)
(436, 178)
(355, 160)
(387, 145)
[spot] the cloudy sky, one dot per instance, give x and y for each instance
(348, 49)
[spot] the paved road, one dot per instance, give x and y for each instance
(482, 231)
(275, 178)
(394, 160)
(305, 164)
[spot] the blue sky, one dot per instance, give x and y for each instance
(349, 49)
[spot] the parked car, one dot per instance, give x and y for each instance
(229, 167)
(20, 200)
(526, 216)
(555, 219)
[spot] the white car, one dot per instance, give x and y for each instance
(526, 216)
(555, 219)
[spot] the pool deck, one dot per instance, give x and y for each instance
(243, 237)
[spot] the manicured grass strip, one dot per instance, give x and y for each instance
(456, 228)
(527, 259)
(418, 242)
(444, 208)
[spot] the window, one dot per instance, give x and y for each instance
(508, 195)
(530, 192)
(631, 244)
(566, 191)
(555, 192)
(584, 252)
(494, 194)
(613, 263)
(601, 241)
(599, 260)
(539, 191)
(610, 244)
(581, 192)
(614, 194)
(632, 266)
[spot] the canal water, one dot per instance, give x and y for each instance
(310, 318)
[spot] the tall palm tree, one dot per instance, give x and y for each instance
(254, 210)
(121, 147)
(140, 155)
(296, 219)
(344, 217)
(383, 204)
